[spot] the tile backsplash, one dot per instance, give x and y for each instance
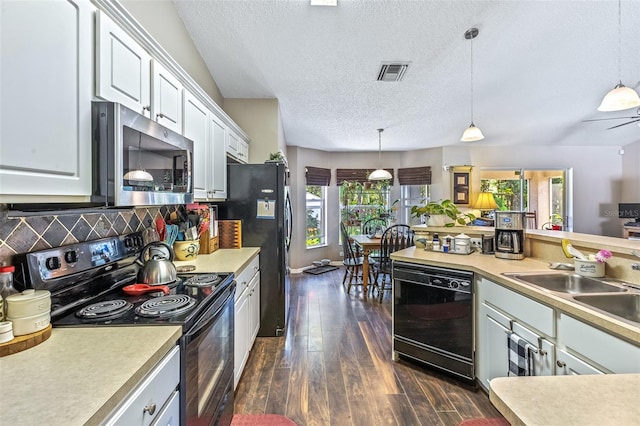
(22, 233)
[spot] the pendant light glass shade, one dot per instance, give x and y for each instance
(472, 134)
(620, 98)
(140, 175)
(380, 173)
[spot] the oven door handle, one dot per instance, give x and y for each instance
(208, 317)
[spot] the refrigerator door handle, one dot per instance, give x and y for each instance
(289, 219)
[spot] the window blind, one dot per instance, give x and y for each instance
(358, 175)
(317, 176)
(414, 176)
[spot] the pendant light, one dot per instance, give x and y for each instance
(621, 97)
(472, 133)
(380, 173)
(140, 174)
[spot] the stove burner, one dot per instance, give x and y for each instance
(166, 306)
(104, 310)
(206, 280)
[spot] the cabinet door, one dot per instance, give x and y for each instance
(240, 336)
(568, 364)
(254, 317)
(243, 151)
(218, 159)
(166, 98)
(233, 143)
(45, 107)
(123, 67)
(494, 354)
(196, 128)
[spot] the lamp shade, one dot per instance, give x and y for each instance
(472, 134)
(620, 98)
(485, 201)
(380, 174)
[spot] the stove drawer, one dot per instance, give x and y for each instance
(145, 402)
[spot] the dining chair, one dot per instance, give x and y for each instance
(374, 225)
(394, 238)
(352, 260)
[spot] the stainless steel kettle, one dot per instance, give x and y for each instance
(156, 261)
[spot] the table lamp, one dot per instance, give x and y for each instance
(485, 202)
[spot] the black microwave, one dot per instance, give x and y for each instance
(136, 161)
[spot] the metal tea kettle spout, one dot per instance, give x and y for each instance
(156, 261)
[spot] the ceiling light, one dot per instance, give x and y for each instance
(472, 133)
(323, 2)
(621, 97)
(380, 173)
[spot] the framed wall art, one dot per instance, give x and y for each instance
(461, 185)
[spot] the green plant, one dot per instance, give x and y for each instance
(443, 207)
(556, 219)
(276, 156)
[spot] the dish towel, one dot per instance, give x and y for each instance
(519, 356)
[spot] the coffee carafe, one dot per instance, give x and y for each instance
(509, 235)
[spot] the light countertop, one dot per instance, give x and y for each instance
(223, 260)
(78, 375)
(610, 399)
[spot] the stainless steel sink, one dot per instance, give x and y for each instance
(626, 306)
(566, 282)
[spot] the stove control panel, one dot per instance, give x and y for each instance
(51, 264)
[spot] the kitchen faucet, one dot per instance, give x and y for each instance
(635, 266)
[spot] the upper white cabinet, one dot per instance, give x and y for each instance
(45, 103)
(196, 128)
(123, 67)
(127, 74)
(218, 159)
(237, 147)
(166, 98)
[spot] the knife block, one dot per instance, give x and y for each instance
(208, 245)
(230, 233)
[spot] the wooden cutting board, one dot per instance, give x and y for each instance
(24, 342)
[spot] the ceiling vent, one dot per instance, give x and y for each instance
(392, 71)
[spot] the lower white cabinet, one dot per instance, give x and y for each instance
(155, 400)
(247, 315)
(568, 364)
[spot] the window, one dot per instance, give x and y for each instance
(317, 180)
(414, 191)
(361, 202)
(316, 216)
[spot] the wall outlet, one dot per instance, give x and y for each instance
(476, 243)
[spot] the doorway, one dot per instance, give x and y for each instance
(547, 192)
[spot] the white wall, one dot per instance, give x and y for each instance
(631, 173)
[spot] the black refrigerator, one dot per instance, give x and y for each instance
(258, 195)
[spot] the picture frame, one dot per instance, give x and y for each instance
(461, 187)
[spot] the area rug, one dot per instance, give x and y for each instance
(320, 269)
(261, 420)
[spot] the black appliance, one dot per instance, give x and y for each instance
(509, 235)
(86, 282)
(258, 194)
(433, 317)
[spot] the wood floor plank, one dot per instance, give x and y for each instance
(334, 367)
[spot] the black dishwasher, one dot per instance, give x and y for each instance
(433, 317)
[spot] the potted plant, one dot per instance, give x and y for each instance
(442, 213)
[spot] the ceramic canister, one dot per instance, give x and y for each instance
(463, 244)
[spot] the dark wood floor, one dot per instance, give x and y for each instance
(334, 367)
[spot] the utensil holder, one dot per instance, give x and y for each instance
(589, 268)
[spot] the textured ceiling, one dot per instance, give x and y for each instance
(540, 68)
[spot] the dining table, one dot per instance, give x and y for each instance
(367, 244)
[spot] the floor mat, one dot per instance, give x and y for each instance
(261, 420)
(320, 269)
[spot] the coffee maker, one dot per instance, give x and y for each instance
(509, 238)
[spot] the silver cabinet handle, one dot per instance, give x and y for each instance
(146, 108)
(151, 408)
(159, 115)
(561, 364)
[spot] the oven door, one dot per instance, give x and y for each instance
(207, 365)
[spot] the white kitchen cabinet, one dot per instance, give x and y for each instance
(217, 159)
(595, 346)
(45, 107)
(127, 74)
(568, 364)
(166, 97)
(243, 151)
(237, 147)
(123, 67)
(196, 128)
(247, 315)
(154, 398)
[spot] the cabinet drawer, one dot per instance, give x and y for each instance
(528, 311)
(170, 414)
(569, 365)
(155, 389)
(610, 352)
(244, 277)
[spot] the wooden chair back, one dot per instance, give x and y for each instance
(373, 225)
(394, 238)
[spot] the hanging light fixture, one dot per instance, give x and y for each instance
(380, 173)
(472, 133)
(621, 97)
(140, 174)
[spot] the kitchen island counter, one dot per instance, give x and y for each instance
(79, 375)
(610, 399)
